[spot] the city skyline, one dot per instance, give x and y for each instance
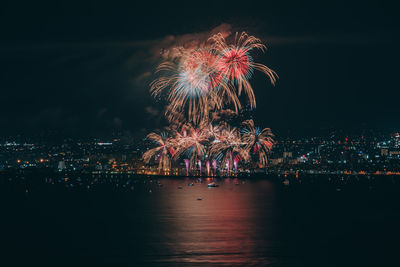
(372, 154)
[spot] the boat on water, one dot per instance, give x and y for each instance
(212, 185)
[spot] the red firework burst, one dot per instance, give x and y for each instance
(235, 63)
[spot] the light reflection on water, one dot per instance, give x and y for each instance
(231, 224)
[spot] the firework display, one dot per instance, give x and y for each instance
(258, 141)
(162, 152)
(199, 84)
(235, 63)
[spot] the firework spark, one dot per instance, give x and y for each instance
(192, 83)
(161, 153)
(202, 86)
(228, 146)
(258, 141)
(235, 63)
(204, 79)
(190, 142)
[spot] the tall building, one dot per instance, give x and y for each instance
(287, 154)
(61, 165)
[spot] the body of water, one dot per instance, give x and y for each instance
(138, 221)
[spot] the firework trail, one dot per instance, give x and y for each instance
(212, 131)
(228, 146)
(191, 143)
(204, 79)
(258, 142)
(208, 167)
(202, 87)
(235, 63)
(214, 164)
(161, 153)
(192, 83)
(187, 163)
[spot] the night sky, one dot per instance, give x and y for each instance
(85, 68)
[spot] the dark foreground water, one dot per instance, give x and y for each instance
(133, 221)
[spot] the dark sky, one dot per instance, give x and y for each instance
(84, 68)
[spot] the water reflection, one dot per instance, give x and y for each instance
(139, 221)
(232, 224)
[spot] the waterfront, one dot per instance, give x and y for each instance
(140, 221)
